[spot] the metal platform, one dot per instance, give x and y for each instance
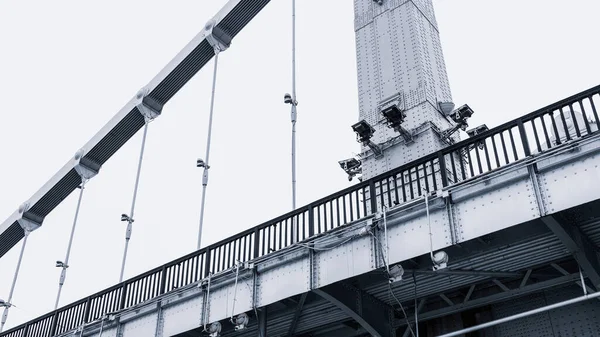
(507, 216)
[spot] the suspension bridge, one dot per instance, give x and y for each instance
(440, 236)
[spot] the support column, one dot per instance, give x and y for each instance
(262, 322)
(402, 80)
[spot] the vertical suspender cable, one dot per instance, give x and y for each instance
(65, 263)
(8, 303)
(294, 111)
(130, 218)
(293, 117)
(206, 163)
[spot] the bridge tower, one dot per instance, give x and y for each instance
(402, 80)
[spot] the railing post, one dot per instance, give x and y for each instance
(373, 196)
(256, 250)
(524, 139)
(123, 296)
(207, 265)
(311, 221)
(163, 279)
(443, 171)
(26, 330)
(86, 311)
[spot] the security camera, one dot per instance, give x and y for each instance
(477, 130)
(287, 99)
(125, 217)
(201, 163)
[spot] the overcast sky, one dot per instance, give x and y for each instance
(66, 67)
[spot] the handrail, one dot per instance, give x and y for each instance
(458, 162)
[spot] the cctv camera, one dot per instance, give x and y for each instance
(287, 99)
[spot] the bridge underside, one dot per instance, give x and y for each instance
(513, 270)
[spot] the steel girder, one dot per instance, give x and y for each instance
(578, 245)
(372, 314)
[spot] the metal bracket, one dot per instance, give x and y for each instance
(149, 107)
(217, 37)
(85, 167)
(29, 221)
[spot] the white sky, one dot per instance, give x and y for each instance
(66, 67)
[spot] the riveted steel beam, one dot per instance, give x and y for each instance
(373, 315)
(578, 245)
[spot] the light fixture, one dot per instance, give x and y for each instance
(125, 217)
(440, 260)
(446, 107)
(351, 166)
(200, 163)
(396, 273)
(240, 321)
(394, 117)
(460, 117)
(287, 99)
(214, 329)
(364, 132)
(461, 114)
(60, 264)
(477, 131)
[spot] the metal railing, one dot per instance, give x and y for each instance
(508, 143)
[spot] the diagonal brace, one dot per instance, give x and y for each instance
(577, 244)
(372, 314)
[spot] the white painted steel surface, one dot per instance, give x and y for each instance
(287, 272)
(398, 52)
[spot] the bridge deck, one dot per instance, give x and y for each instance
(494, 194)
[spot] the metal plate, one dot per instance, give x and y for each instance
(222, 299)
(112, 332)
(141, 326)
(182, 317)
(578, 320)
(511, 204)
(353, 258)
(284, 281)
(411, 237)
(572, 184)
(532, 326)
